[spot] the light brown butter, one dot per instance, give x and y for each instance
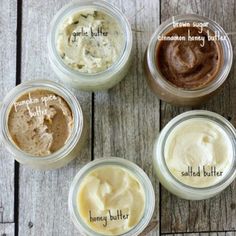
(40, 122)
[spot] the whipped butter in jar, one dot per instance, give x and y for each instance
(42, 124)
(194, 155)
(188, 59)
(111, 197)
(90, 45)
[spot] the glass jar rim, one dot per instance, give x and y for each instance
(221, 76)
(134, 170)
(108, 9)
(70, 99)
(222, 123)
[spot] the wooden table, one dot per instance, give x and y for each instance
(124, 122)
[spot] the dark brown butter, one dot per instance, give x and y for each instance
(189, 64)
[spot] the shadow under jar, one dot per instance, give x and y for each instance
(90, 44)
(188, 59)
(42, 124)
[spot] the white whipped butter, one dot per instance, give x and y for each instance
(198, 152)
(90, 41)
(111, 200)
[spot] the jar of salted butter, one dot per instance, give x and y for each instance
(195, 155)
(90, 44)
(42, 124)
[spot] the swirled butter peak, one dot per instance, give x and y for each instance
(198, 152)
(111, 200)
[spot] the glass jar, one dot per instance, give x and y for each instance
(131, 168)
(173, 184)
(74, 142)
(90, 81)
(167, 91)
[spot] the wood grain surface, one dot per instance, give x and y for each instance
(123, 121)
(127, 116)
(218, 213)
(43, 195)
(8, 24)
(229, 233)
(7, 229)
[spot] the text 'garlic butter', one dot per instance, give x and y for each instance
(90, 41)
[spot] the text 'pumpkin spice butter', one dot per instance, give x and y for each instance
(42, 124)
(188, 59)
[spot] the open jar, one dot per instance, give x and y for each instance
(188, 59)
(90, 45)
(194, 155)
(111, 196)
(42, 124)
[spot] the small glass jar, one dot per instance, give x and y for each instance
(130, 167)
(173, 184)
(168, 92)
(90, 81)
(72, 146)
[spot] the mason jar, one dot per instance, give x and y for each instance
(101, 80)
(168, 91)
(196, 187)
(132, 169)
(70, 148)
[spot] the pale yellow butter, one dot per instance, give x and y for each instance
(111, 200)
(90, 41)
(201, 146)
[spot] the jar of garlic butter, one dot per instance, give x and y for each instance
(90, 44)
(111, 196)
(42, 124)
(195, 155)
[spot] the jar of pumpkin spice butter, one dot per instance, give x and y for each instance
(42, 124)
(188, 59)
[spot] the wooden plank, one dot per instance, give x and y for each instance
(219, 213)
(44, 194)
(127, 116)
(7, 229)
(229, 233)
(7, 81)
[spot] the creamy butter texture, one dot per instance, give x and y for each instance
(90, 41)
(202, 145)
(40, 122)
(111, 200)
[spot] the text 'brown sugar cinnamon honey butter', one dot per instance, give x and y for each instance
(42, 124)
(189, 64)
(111, 197)
(188, 59)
